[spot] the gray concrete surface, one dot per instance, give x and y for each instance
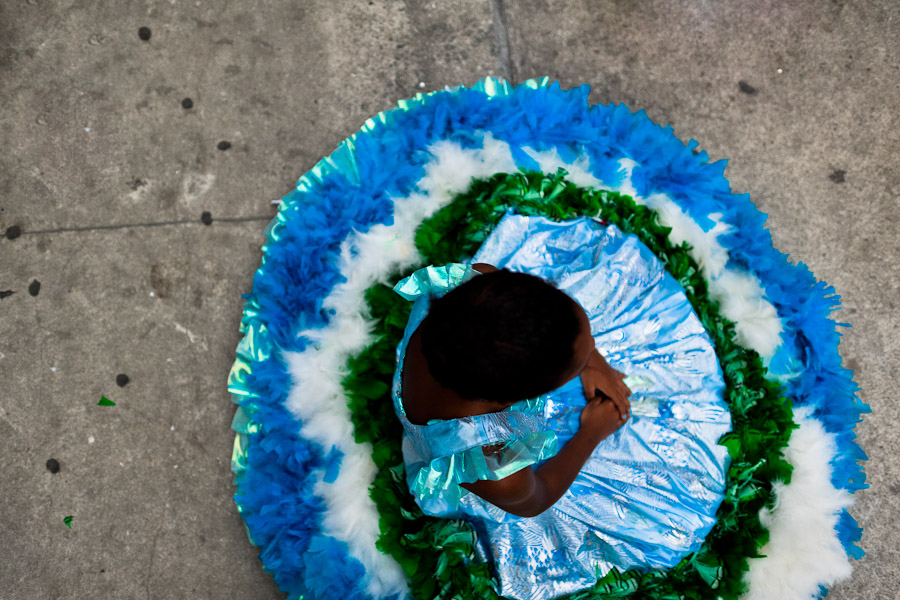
(107, 175)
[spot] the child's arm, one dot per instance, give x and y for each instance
(529, 492)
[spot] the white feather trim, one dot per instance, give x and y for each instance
(740, 295)
(579, 172)
(710, 255)
(803, 551)
(742, 300)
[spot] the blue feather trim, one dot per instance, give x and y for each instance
(352, 189)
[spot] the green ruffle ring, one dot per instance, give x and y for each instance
(437, 554)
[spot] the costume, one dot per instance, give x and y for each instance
(320, 476)
(649, 493)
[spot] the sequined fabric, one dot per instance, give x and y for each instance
(649, 493)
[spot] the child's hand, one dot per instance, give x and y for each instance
(600, 419)
(600, 380)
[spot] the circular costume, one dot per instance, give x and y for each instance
(321, 480)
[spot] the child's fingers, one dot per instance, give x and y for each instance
(600, 394)
(623, 405)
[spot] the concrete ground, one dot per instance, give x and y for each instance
(105, 176)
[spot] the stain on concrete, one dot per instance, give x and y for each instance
(746, 88)
(160, 282)
(122, 380)
(206, 218)
(53, 465)
(139, 188)
(168, 197)
(263, 46)
(13, 232)
(136, 183)
(6, 294)
(838, 176)
(34, 288)
(201, 24)
(195, 185)
(259, 101)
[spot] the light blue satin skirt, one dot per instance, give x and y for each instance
(648, 494)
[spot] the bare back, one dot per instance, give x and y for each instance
(425, 399)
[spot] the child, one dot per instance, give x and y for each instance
(501, 338)
(514, 420)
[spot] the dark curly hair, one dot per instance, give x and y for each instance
(501, 336)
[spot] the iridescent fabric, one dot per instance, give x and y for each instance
(649, 493)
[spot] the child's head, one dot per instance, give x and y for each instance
(505, 336)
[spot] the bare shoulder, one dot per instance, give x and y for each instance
(484, 268)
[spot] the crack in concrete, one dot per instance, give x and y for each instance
(501, 35)
(153, 224)
(152, 557)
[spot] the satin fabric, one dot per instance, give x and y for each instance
(648, 494)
